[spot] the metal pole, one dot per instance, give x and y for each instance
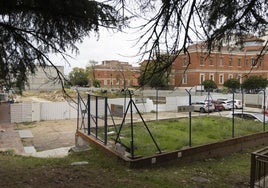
(190, 117)
(88, 114)
(233, 117)
(208, 99)
(264, 108)
(144, 123)
(96, 108)
(132, 130)
(105, 120)
(78, 109)
(243, 101)
(156, 113)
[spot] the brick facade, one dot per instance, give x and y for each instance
(220, 65)
(116, 74)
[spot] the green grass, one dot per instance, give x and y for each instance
(103, 171)
(173, 134)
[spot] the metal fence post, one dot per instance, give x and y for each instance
(88, 115)
(96, 108)
(252, 170)
(190, 117)
(105, 120)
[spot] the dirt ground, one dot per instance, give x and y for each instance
(53, 134)
(47, 135)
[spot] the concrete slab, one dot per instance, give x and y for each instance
(29, 149)
(58, 152)
(25, 134)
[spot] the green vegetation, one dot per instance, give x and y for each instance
(254, 84)
(232, 83)
(103, 171)
(78, 77)
(173, 134)
(209, 85)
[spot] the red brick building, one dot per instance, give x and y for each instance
(220, 65)
(116, 74)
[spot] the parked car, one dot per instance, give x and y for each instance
(237, 104)
(226, 105)
(218, 105)
(202, 107)
(257, 116)
(222, 99)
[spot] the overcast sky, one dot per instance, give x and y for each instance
(109, 46)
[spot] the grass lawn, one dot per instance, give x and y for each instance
(102, 171)
(173, 134)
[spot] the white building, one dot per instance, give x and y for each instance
(44, 79)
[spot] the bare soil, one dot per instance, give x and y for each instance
(50, 134)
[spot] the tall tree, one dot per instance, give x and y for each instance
(253, 84)
(29, 30)
(209, 85)
(232, 83)
(174, 24)
(91, 71)
(32, 28)
(152, 73)
(78, 77)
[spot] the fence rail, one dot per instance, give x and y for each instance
(259, 169)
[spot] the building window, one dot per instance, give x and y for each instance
(253, 62)
(211, 61)
(201, 61)
(221, 61)
(261, 62)
(239, 62)
(230, 62)
(202, 78)
(184, 78)
(185, 62)
(239, 78)
(221, 79)
(211, 77)
(230, 76)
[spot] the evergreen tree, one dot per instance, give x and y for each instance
(232, 83)
(30, 29)
(78, 77)
(254, 83)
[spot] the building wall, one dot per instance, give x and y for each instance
(218, 65)
(116, 74)
(44, 79)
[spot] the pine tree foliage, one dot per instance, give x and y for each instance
(30, 29)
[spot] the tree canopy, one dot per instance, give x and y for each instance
(209, 85)
(253, 84)
(152, 73)
(30, 29)
(232, 83)
(78, 77)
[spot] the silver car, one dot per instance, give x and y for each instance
(249, 115)
(203, 106)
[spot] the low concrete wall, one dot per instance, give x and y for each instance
(218, 149)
